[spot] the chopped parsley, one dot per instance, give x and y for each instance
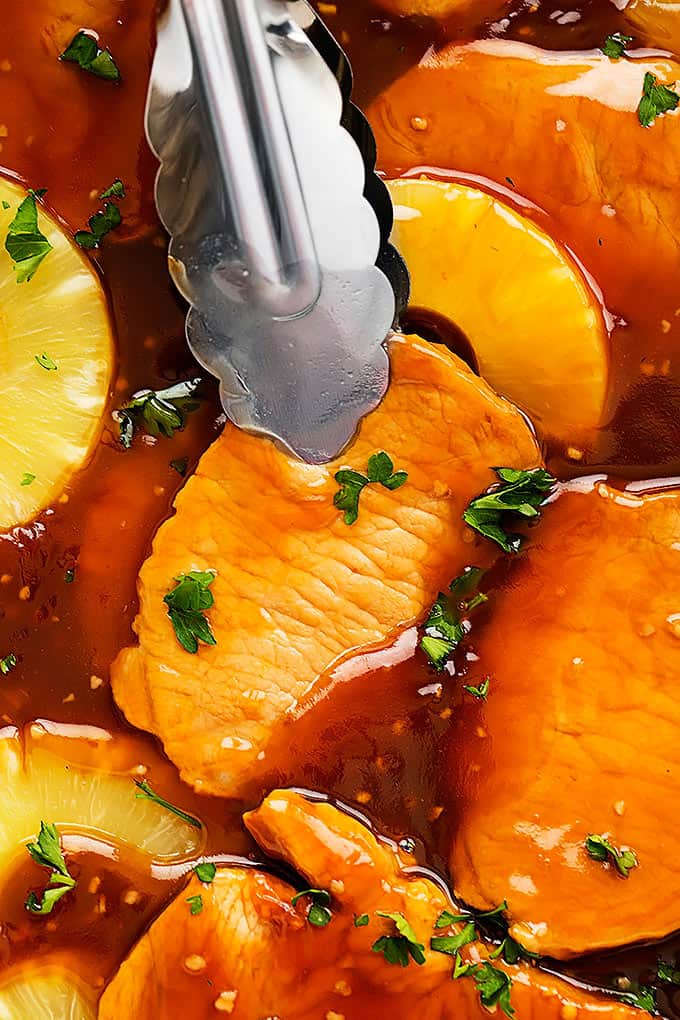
(160, 412)
(601, 849)
(352, 483)
(446, 918)
(205, 871)
(45, 361)
(100, 224)
(47, 853)
(195, 903)
(401, 948)
(27, 478)
(447, 625)
(656, 99)
(180, 465)
(8, 663)
(519, 492)
(668, 973)
(145, 792)
(70, 575)
(451, 944)
(360, 920)
(461, 969)
(615, 45)
(186, 604)
(319, 913)
(115, 190)
(494, 987)
(480, 691)
(84, 51)
(25, 244)
(641, 996)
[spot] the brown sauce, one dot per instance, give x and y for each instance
(379, 742)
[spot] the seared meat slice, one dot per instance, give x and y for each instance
(296, 588)
(251, 954)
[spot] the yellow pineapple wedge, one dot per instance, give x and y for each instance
(535, 326)
(56, 356)
(44, 995)
(42, 778)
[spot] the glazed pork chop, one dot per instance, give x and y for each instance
(579, 735)
(296, 588)
(251, 953)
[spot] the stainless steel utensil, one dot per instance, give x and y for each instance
(278, 224)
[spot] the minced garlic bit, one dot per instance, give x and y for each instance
(363, 797)
(225, 1002)
(196, 964)
(95, 682)
(419, 123)
(342, 988)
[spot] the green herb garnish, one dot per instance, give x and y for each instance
(115, 190)
(401, 948)
(600, 849)
(180, 465)
(205, 871)
(494, 987)
(145, 792)
(451, 944)
(102, 223)
(319, 913)
(656, 99)
(195, 903)
(47, 853)
(84, 51)
(360, 920)
(641, 996)
(480, 692)
(45, 361)
(461, 969)
(446, 624)
(615, 45)
(70, 575)
(160, 412)
(25, 244)
(519, 492)
(668, 973)
(27, 478)
(8, 663)
(352, 483)
(186, 604)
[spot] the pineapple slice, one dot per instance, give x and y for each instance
(44, 996)
(658, 20)
(41, 779)
(534, 324)
(49, 417)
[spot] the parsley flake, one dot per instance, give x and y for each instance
(641, 996)
(45, 361)
(186, 604)
(480, 692)
(461, 969)
(656, 99)
(519, 492)
(615, 45)
(8, 663)
(494, 987)
(451, 944)
(47, 853)
(668, 973)
(84, 51)
(447, 623)
(27, 478)
(352, 483)
(115, 190)
(25, 243)
(159, 412)
(180, 465)
(399, 949)
(601, 849)
(360, 920)
(446, 918)
(195, 903)
(100, 224)
(145, 792)
(205, 871)
(319, 913)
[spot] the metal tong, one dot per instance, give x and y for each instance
(279, 226)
